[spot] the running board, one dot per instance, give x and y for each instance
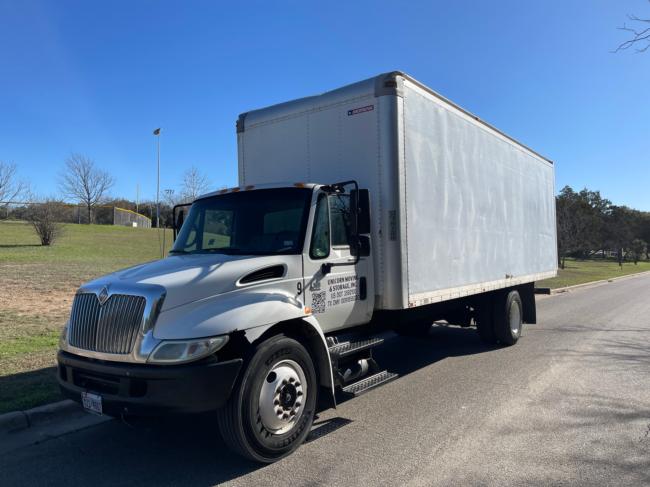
(345, 349)
(364, 385)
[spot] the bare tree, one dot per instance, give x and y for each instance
(640, 34)
(195, 183)
(10, 187)
(45, 218)
(85, 182)
(171, 198)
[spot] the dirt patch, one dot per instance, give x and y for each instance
(38, 289)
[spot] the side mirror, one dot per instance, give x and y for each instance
(362, 247)
(360, 199)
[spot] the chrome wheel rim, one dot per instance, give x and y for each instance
(514, 317)
(282, 397)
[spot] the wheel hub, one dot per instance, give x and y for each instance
(288, 396)
(282, 396)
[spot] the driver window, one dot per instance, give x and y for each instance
(341, 216)
(320, 237)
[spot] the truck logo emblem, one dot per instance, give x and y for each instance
(103, 296)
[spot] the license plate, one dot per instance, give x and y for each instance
(92, 402)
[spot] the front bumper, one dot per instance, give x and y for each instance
(142, 389)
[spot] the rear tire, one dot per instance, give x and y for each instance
(508, 318)
(271, 410)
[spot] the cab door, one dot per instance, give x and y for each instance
(338, 290)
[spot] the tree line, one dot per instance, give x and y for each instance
(589, 225)
(85, 183)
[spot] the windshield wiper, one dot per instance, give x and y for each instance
(221, 250)
(178, 251)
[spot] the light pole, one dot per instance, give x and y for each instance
(157, 134)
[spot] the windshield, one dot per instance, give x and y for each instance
(260, 222)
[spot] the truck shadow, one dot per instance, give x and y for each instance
(189, 450)
(408, 354)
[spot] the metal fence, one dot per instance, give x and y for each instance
(130, 218)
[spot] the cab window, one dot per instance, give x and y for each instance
(340, 219)
(320, 238)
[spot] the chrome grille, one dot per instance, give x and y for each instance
(111, 328)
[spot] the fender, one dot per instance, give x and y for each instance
(255, 313)
(308, 327)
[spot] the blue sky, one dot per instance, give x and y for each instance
(98, 77)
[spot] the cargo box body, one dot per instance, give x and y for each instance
(458, 208)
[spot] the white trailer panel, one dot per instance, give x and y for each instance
(458, 207)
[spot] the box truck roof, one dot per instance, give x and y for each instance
(383, 84)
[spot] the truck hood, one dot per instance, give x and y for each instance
(188, 278)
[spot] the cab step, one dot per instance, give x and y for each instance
(364, 385)
(346, 349)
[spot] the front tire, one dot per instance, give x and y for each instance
(271, 410)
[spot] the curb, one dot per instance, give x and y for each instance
(20, 420)
(23, 428)
(567, 289)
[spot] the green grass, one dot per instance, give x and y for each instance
(28, 389)
(583, 271)
(36, 289)
(28, 344)
(104, 245)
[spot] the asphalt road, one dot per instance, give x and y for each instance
(568, 405)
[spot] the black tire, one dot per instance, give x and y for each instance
(240, 421)
(485, 322)
(508, 317)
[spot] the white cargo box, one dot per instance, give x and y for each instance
(459, 208)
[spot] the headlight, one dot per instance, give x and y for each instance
(178, 351)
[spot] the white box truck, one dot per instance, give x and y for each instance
(379, 205)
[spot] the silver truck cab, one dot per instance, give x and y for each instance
(234, 319)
